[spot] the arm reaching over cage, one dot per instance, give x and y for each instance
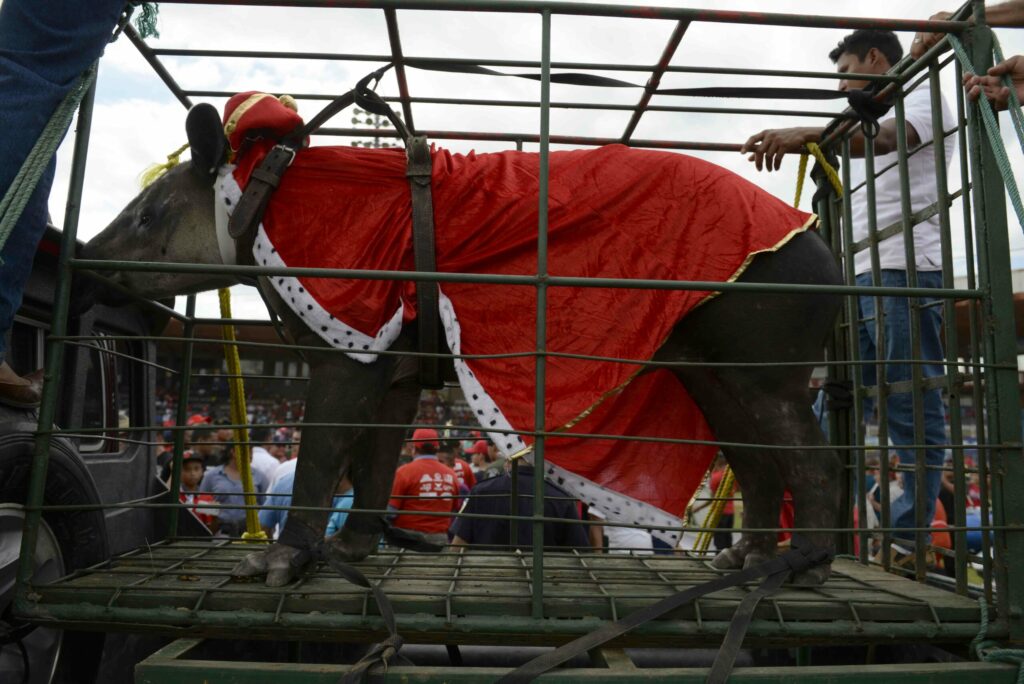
(862, 52)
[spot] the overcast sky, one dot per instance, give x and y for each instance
(137, 121)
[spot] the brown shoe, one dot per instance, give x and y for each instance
(23, 396)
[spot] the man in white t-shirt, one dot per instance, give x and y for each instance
(262, 461)
(874, 52)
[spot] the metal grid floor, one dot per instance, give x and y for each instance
(184, 587)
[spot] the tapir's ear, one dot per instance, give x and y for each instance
(207, 139)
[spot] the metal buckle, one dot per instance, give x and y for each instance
(290, 150)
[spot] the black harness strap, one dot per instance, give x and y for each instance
(419, 172)
(248, 212)
(794, 560)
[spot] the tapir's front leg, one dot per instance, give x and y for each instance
(343, 391)
(373, 465)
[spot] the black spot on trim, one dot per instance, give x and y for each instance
(301, 290)
(227, 201)
(335, 341)
(350, 345)
(493, 423)
(366, 346)
(475, 396)
(258, 247)
(309, 307)
(323, 328)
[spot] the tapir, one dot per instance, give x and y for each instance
(744, 356)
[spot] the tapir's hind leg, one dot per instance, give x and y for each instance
(724, 401)
(768, 404)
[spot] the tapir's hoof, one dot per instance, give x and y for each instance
(743, 554)
(350, 547)
(812, 577)
(755, 558)
(281, 564)
(728, 559)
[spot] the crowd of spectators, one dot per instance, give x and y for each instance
(453, 470)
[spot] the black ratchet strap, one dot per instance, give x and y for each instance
(798, 558)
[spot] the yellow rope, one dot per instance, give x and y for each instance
(154, 171)
(830, 172)
(243, 452)
(723, 491)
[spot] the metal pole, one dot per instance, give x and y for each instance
(977, 397)
(55, 347)
(856, 431)
(539, 421)
(183, 393)
(917, 391)
(957, 515)
(1007, 468)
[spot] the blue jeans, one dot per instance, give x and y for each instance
(45, 45)
(899, 406)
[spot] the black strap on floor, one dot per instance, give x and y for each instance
(380, 653)
(730, 648)
(798, 558)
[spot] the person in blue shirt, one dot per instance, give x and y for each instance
(272, 519)
(225, 484)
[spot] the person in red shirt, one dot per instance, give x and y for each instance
(192, 469)
(426, 485)
(463, 471)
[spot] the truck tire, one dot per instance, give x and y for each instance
(68, 540)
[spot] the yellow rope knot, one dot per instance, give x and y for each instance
(147, 177)
(830, 171)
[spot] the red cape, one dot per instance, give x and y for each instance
(614, 212)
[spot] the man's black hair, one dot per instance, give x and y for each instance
(259, 434)
(861, 41)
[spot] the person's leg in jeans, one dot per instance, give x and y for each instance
(900, 405)
(868, 342)
(45, 45)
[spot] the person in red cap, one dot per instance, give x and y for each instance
(192, 469)
(478, 456)
(424, 485)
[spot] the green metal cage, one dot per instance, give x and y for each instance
(181, 587)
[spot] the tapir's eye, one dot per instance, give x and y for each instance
(144, 220)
